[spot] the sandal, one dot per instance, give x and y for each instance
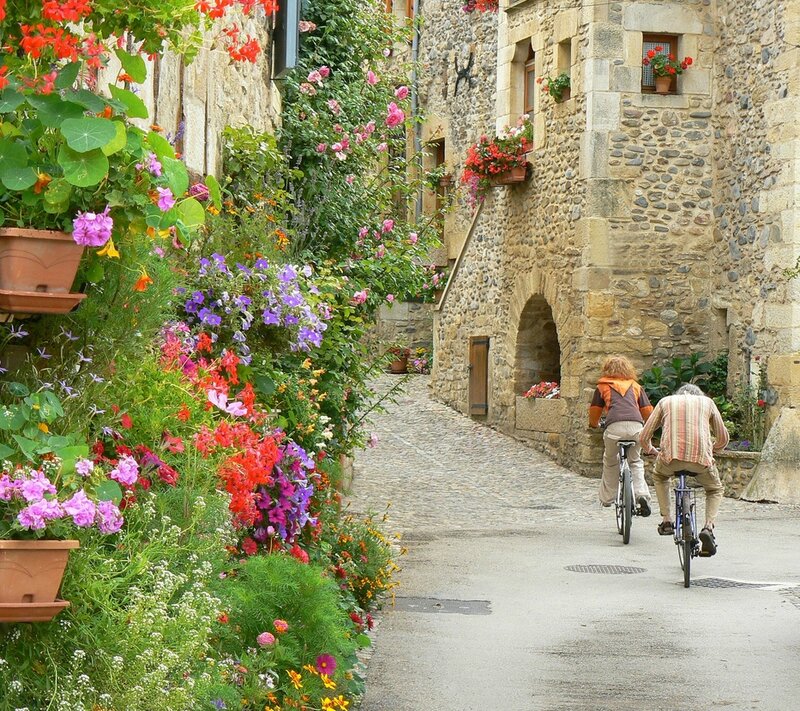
(708, 543)
(666, 528)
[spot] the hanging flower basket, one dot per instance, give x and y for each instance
(31, 573)
(516, 174)
(37, 268)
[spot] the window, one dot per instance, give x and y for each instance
(438, 155)
(529, 81)
(669, 44)
(410, 8)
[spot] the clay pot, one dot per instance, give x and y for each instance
(663, 84)
(30, 575)
(565, 95)
(399, 365)
(37, 268)
(517, 174)
(31, 571)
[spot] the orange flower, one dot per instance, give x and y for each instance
(41, 183)
(143, 282)
(125, 77)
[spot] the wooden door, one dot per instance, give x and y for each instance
(479, 375)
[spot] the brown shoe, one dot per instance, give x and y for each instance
(666, 528)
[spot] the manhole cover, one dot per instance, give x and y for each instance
(605, 569)
(725, 583)
(436, 605)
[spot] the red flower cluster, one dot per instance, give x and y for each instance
(69, 11)
(241, 50)
(665, 65)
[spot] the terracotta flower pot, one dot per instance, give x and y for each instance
(399, 365)
(517, 174)
(37, 268)
(663, 84)
(31, 571)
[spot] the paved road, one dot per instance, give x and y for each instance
(489, 617)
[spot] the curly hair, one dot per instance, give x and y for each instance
(618, 367)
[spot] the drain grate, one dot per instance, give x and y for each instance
(725, 583)
(438, 605)
(605, 569)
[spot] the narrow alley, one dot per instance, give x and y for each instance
(517, 593)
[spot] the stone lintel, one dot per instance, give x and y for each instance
(668, 19)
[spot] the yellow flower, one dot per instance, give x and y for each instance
(329, 683)
(341, 702)
(282, 388)
(307, 363)
(309, 668)
(296, 679)
(213, 210)
(109, 250)
(327, 704)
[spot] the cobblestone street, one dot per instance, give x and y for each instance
(488, 616)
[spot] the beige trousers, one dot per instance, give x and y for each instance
(608, 484)
(707, 477)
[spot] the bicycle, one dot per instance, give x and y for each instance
(685, 525)
(625, 509)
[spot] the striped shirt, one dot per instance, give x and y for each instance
(687, 423)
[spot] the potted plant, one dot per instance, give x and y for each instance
(546, 390)
(399, 362)
(557, 87)
(48, 490)
(481, 6)
(498, 161)
(74, 172)
(665, 67)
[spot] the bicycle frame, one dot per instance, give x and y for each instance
(625, 508)
(685, 525)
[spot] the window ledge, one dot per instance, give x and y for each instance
(671, 101)
(514, 6)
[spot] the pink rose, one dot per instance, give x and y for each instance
(350, 179)
(315, 77)
(401, 92)
(372, 78)
(359, 297)
(324, 71)
(390, 298)
(388, 226)
(363, 232)
(322, 147)
(394, 115)
(412, 237)
(381, 147)
(333, 105)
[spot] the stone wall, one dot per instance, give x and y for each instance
(736, 469)
(193, 104)
(405, 323)
(757, 226)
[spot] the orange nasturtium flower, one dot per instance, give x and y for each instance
(143, 282)
(109, 250)
(297, 679)
(43, 180)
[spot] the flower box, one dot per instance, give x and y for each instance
(541, 415)
(31, 573)
(517, 174)
(37, 268)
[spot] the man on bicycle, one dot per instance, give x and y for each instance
(687, 420)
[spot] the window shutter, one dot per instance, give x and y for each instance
(286, 43)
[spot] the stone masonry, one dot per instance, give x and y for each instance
(652, 225)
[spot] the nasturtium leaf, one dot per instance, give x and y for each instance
(109, 490)
(191, 213)
(160, 146)
(68, 456)
(51, 399)
(88, 99)
(176, 174)
(57, 192)
(27, 446)
(12, 155)
(134, 106)
(67, 75)
(58, 441)
(87, 133)
(133, 65)
(95, 272)
(10, 100)
(5, 451)
(363, 640)
(83, 169)
(119, 141)
(214, 192)
(18, 389)
(264, 384)
(53, 110)
(18, 178)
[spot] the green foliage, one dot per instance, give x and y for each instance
(556, 86)
(278, 587)
(662, 380)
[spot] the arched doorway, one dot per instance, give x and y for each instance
(538, 355)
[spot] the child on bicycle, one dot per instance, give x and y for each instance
(626, 407)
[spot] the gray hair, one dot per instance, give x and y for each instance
(689, 389)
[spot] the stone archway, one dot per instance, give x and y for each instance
(538, 354)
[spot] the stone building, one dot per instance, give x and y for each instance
(651, 225)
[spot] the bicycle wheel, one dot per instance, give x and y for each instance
(687, 562)
(627, 503)
(618, 506)
(688, 537)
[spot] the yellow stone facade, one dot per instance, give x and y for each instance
(651, 225)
